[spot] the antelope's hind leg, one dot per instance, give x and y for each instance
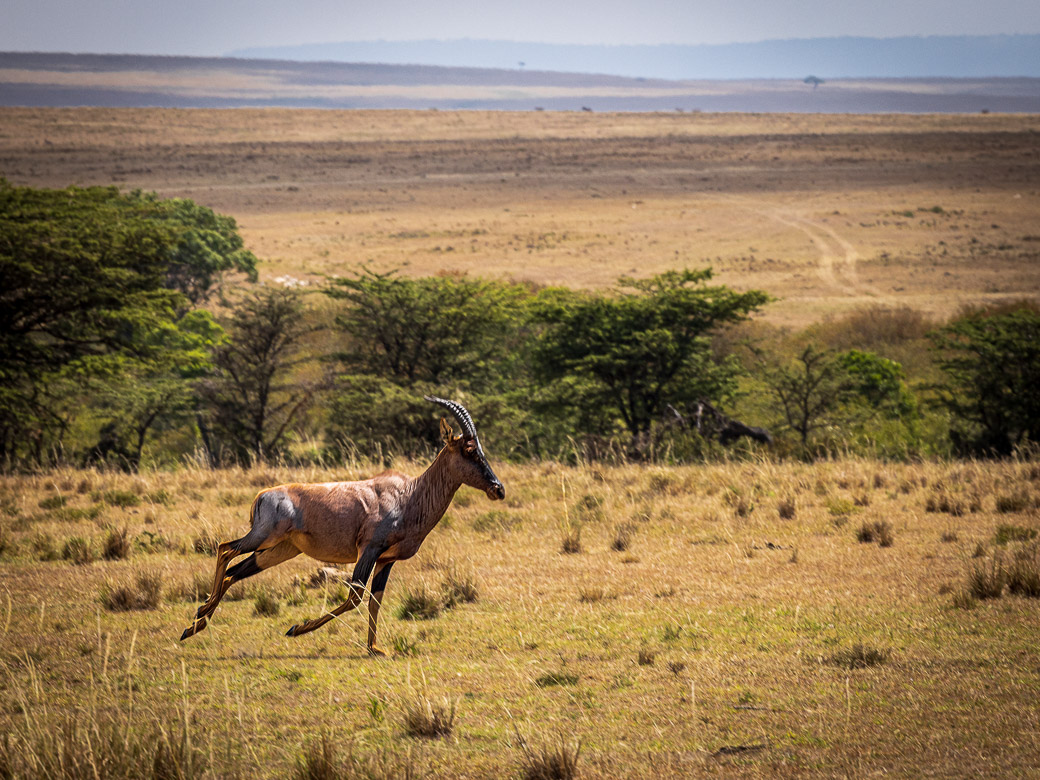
(226, 551)
(254, 564)
(375, 599)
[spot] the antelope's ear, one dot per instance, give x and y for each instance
(446, 431)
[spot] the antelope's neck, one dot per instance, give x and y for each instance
(432, 493)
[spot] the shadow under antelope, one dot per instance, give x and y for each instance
(375, 522)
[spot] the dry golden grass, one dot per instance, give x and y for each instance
(723, 641)
(827, 213)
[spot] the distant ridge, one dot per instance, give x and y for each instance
(54, 79)
(960, 56)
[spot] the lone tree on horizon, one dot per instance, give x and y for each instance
(814, 80)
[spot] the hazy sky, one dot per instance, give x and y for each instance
(214, 27)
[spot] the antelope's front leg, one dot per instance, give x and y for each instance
(375, 599)
(357, 591)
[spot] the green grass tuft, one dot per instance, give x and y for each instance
(550, 679)
(266, 603)
(418, 604)
(1005, 534)
(78, 550)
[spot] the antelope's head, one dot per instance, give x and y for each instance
(471, 464)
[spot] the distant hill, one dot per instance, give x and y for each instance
(960, 56)
(113, 80)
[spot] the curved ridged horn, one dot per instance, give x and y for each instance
(469, 430)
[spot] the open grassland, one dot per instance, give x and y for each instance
(826, 213)
(751, 618)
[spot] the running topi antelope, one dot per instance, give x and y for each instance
(375, 522)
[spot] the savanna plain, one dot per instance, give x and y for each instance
(755, 617)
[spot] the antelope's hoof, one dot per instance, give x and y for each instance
(291, 631)
(194, 628)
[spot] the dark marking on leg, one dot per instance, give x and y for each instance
(243, 569)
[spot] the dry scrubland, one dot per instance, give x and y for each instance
(827, 213)
(745, 618)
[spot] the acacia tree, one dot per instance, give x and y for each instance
(86, 274)
(152, 392)
(432, 329)
(255, 394)
(624, 357)
(401, 337)
(992, 387)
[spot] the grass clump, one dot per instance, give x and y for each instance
(496, 521)
(404, 646)
(591, 594)
(206, 542)
(840, 507)
(879, 531)
(266, 603)
(589, 508)
(42, 546)
(646, 656)
(860, 656)
(987, 581)
(150, 542)
(623, 534)
(161, 496)
(550, 679)
(101, 747)
(558, 762)
(1023, 576)
(116, 546)
(570, 539)
(120, 498)
(1006, 534)
(321, 760)
(1013, 502)
(964, 599)
(786, 508)
(428, 719)
(195, 589)
(419, 604)
(78, 550)
(53, 502)
(458, 587)
(943, 502)
(142, 594)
